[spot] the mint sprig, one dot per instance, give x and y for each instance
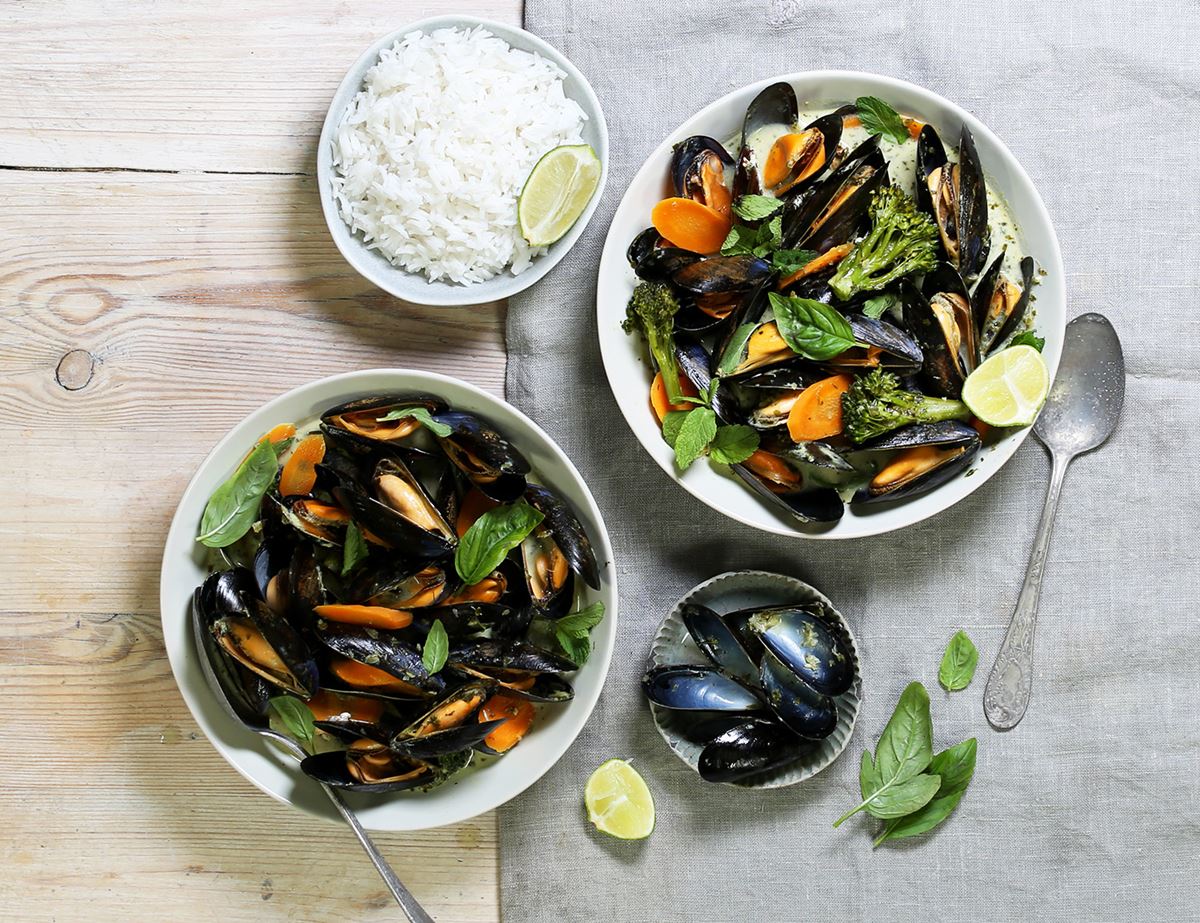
(697, 432)
(879, 118)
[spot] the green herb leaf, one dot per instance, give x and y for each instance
(879, 305)
(904, 751)
(787, 262)
(903, 798)
(773, 233)
(578, 624)
(814, 330)
(879, 118)
(739, 240)
(955, 767)
(233, 507)
(355, 550)
(421, 415)
(672, 423)
(696, 432)
(732, 445)
(295, 717)
(1028, 338)
(491, 537)
(436, 648)
(958, 663)
(732, 354)
(577, 647)
(756, 207)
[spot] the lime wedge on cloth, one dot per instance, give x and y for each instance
(558, 189)
(1009, 388)
(618, 801)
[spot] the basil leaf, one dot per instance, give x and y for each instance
(787, 262)
(421, 415)
(697, 431)
(879, 305)
(578, 624)
(955, 766)
(672, 423)
(354, 550)
(866, 775)
(904, 798)
(904, 750)
(233, 507)
(739, 240)
(576, 647)
(1027, 338)
(732, 355)
(295, 717)
(491, 537)
(958, 663)
(879, 118)
(814, 330)
(436, 648)
(756, 207)
(733, 444)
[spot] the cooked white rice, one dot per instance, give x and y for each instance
(433, 151)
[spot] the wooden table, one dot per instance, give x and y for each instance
(164, 269)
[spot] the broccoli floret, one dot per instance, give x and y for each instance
(902, 241)
(876, 404)
(652, 310)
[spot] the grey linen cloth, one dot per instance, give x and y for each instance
(1090, 809)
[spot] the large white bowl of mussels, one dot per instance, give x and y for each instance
(840, 251)
(406, 575)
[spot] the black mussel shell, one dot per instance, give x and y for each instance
(383, 650)
(399, 584)
(684, 156)
(807, 645)
(695, 362)
(488, 460)
(746, 180)
(463, 621)
(547, 569)
(775, 105)
(654, 260)
(805, 504)
(690, 687)
(718, 643)
(722, 274)
(246, 693)
(907, 477)
(519, 655)
(808, 220)
(330, 767)
(973, 237)
(996, 324)
(451, 740)
(382, 520)
(941, 321)
(568, 532)
(225, 592)
(348, 729)
(361, 417)
(900, 351)
(817, 454)
(794, 374)
(808, 713)
(750, 748)
(931, 154)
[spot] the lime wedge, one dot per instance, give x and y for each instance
(618, 801)
(558, 189)
(1009, 388)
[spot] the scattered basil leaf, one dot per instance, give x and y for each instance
(787, 262)
(879, 118)
(354, 550)
(233, 507)
(436, 647)
(1027, 338)
(756, 207)
(812, 329)
(696, 432)
(422, 416)
(955, 766)
(671, 425)
(578, 624)
(879, 305)
(732, 354)
(958, 663)
(491, 537)
(902, 798)
(295, 717)
(733, 444)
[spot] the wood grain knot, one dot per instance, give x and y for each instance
(75, 369)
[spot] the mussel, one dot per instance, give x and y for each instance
(806, 711)
(808, 645)
(884, 346)
(783, 485)
(698, 172)
(368, 766)
(381, 418)
(654, 259)
(489, 461)
(687, 687)
(378, 661)
(446, 727)
(567, 532)
(797, 158)
(832, 211)
(395, 506)
(999, 305)
(718, 642)
(943, 323)
(755, 746)
(923, 456)
(955, 194)
(775, 105)
(400, 586)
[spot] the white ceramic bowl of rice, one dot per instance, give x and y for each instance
(426, 146)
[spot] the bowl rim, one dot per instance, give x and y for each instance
(350, 245)
(613, 254)
(180, 652)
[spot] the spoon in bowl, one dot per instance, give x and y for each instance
(256, 723)
(1080, 414)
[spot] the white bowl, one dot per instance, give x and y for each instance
(278, 774)
(730, 592)
(414, 287)
(629, 373)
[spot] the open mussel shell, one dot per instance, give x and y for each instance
(397, 508)
(832, 211)
(518, 655)
(464, 621)
(547, 568)
(798, 158)
(364, 417)
(887, 346)
(368, 766)
(489, 461)
(382, 650)
(815, 453)
(685, 154)
(755, 746)
(788, 492)
(807, 645)
(924, 456)
(247, 693)
(723, 274)
(568, 532)
(451, 740)
(308, 584)
(754, 346)
(399, 585)
(775, 105)
(718, 643)
(447, 726)
(807, 712)
(931, 155)
(955, 194)
(688, 687)
(695, 362)
(999, 304)
(942, 322)
(794, 375)
(973, 237)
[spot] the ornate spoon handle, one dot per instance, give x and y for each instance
(1006, 695)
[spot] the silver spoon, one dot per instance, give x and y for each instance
(409, 904)
(1080, 414)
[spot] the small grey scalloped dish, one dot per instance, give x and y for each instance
(754, 680)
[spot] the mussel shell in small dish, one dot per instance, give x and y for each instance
(807, 645)
(751, 748)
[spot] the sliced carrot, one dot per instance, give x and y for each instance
(371, 616)
(817, 413)
(473, 505)
(914, 127)
(364, 676)
(689, 225)
(325, 704)
(519, 715)
(658, 396)
(299, 474)
(830, 257)
(279, 432)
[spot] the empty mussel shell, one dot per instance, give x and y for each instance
(755, 746)
(718, 643)
(811, 714)
(808, 645)
(689, 687)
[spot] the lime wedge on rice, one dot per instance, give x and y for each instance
(618, 801)
(558, 189)
(1009, 388)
